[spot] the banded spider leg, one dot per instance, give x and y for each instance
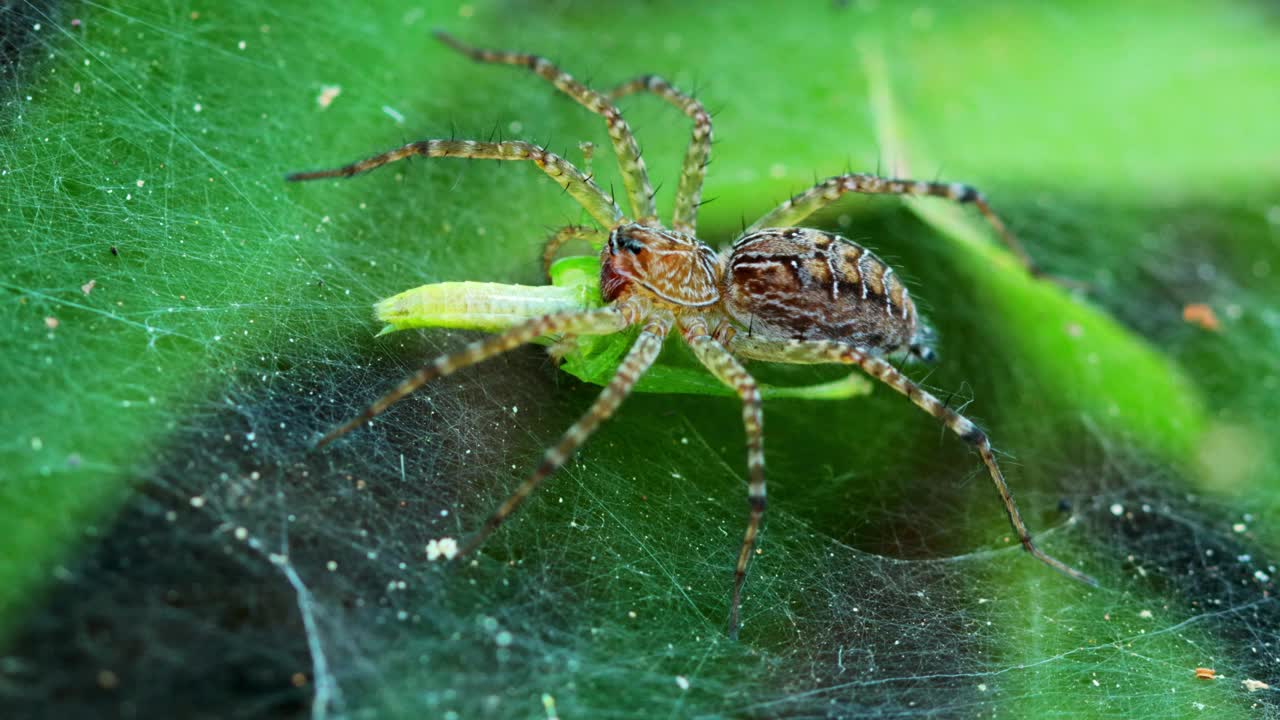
(604, 321)
(634, 175)
(717, 358)
(638, 360)
(697, 155)
(579, 186)
(794, 210)
(823, 351)
(644, 351)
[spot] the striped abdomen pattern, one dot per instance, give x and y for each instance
(802, 284)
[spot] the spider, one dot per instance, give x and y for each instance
(780, 293)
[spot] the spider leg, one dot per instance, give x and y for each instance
(634, 175)
(696, 156)
(826, 351)
(581, 187)
(567, 234)
(830, 190)
(726, 367)
(638, 360)
(597, 322)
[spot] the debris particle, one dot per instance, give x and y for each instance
(328, 93)
(197, 501)
(51, 322)
(683, 682)
(446, 548)
(1239, 527)
(242, 45)
(982, 687)
(1146, 615)
(1117, 509)
(115, 251)
(503, 638)
(108, 680)
(549, 705)
(1261, 576)
(1203, 673)
(298, 679)
(1200, 314)
(88, 287)
(393, 114)
(1254, 685)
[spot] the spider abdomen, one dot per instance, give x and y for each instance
(802, 284)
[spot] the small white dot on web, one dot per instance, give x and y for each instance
(1117, 509)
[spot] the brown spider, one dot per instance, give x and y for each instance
(781, 293)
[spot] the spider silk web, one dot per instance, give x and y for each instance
(183, 326)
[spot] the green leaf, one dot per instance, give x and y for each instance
(184, 325)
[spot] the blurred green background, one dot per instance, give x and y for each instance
(182, 325)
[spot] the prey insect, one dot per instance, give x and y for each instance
(779, 293)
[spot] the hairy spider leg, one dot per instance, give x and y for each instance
(801, 206)
(697, 155)
(799, 351)
(634, 175)
(726, 367)
(604, 321)
(581, 187)
(567, 234)
(638, 360)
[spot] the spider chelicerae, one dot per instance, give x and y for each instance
(780, 293)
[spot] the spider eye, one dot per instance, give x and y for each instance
(632, 245)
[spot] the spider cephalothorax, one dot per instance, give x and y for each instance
(780, 294)
(671, 267)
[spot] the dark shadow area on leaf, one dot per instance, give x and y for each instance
(24, 26)
(243, 556)
(882, 585)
